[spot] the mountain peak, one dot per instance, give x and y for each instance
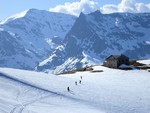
(29, 12)
(19, 15)
(35, 11)
(81, 14)
(97, 12)
(32, 10)
(32, 13)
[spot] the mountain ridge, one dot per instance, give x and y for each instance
(39, 33)
(95, 36)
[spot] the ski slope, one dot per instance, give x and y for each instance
(110, 91)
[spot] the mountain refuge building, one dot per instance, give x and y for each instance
(114, 61)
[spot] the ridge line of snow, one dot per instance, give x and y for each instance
(13, 17)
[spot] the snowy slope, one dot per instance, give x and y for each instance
(144, 61)
(26, 91)
(95, 36)
(38, 32)
(110, 91)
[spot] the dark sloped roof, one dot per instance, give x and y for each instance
(116, 57)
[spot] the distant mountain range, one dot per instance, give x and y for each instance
(30, 37)
(95, 36)
(67, 42)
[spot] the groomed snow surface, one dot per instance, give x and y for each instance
(110, 91)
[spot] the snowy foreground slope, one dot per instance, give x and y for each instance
(110, 91)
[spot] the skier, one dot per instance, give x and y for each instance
(76, 83)
(81, 77)
(80, 81)
(68, 89)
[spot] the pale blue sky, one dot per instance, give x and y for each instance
(11, 7)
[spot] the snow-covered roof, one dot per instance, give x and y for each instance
(116, 57)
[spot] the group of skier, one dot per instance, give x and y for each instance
(76, 83)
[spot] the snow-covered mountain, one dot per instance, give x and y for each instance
(29, 37)
(95, 36)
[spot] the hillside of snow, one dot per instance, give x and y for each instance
(31, 36)
(110, 91)
(95, 36)
(144, 61)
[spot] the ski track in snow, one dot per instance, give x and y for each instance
(20, 107)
